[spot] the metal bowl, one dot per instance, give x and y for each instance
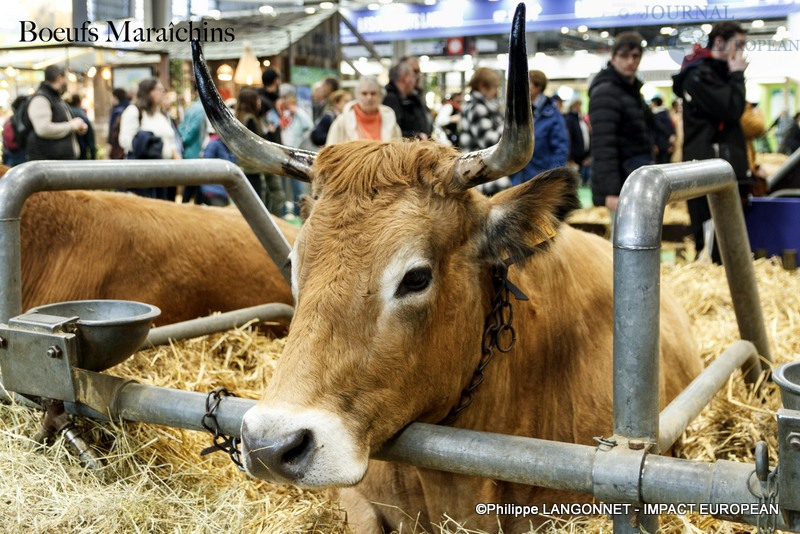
(109, 331)
(787, 376)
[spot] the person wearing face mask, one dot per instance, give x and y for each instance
(622, 123)
(54, 129)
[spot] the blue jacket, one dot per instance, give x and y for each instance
(216, 149)
(551, 145)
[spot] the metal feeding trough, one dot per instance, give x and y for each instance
(48, 345)
(48, 350)
(109, 331)
(787, 376)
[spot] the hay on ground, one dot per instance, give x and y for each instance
(155, 481)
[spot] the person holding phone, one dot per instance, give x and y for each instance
(711, 83)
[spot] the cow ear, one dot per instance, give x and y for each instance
(525, 218)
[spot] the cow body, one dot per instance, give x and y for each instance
(188, 260)
(393, 278)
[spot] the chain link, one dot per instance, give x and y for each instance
(221, 441)
(766, 523)
(498, 333)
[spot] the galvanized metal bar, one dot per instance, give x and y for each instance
(551, 464)
(217, 323)
(734, 248)
(165, 406)
(788, 167)
(687, 406)
(637, 283)
(563, 466)
(26, 179)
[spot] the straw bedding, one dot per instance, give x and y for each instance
(154, 481)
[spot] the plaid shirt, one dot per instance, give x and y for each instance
(481, 124)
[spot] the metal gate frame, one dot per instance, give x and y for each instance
(625, 468)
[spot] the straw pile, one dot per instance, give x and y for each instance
(675, 213)
(154, 480)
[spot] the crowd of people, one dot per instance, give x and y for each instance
(604, 138)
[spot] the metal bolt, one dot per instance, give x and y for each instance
(794, 441)
(54, 352)
(636, 444)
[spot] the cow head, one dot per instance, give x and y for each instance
(391, 273)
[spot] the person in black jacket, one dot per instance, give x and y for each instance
(622, 124)
(402, 96)
(274, 195)
(579, 140)
(54, 129)
(663, 131)
(711, 83)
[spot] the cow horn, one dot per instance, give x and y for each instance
(248, 147)
(515, 147)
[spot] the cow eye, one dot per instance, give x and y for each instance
(414, 281)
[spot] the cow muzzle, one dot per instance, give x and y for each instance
(307, 448)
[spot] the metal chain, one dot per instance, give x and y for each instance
(496, 326)
(766, 523)
(221, 441)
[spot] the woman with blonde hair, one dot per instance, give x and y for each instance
(366, 117)
(337, 100)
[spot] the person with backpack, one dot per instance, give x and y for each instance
(13, 151)
(120, 100)
(54, 130)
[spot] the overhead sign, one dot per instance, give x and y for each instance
(455, 18)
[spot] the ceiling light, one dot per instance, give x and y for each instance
(248, 70)
(266, 9)
(225, 72)
(564, 30)
(583, 28)
(666, 30)
(603, 34)
(91, 72)
(105, 73)
(758, 23)
(374, 7)
(326, 5)
(706, 28)
(266, 63)
(310, 10)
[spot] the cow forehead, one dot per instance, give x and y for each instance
(360, 169)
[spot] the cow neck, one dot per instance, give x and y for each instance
(498, 334)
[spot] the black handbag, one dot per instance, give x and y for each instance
(146, 145)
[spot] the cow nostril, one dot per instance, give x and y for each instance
(297, 447)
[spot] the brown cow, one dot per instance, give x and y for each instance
(393, 278)
(188, 260)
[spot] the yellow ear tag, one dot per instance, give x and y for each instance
(546, 228)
